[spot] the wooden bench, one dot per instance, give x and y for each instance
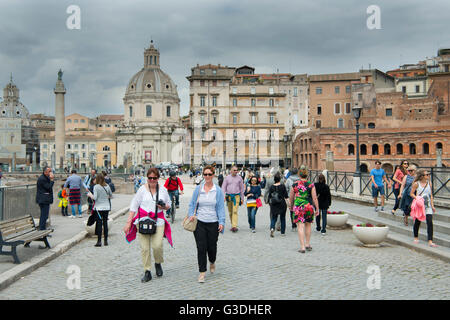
(19, 231)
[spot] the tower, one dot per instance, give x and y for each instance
(60, 91)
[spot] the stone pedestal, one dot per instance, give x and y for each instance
(356, 186)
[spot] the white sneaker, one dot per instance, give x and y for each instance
(376, 209)
(253, 231)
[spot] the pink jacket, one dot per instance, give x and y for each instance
(131, 235)
(418, 209)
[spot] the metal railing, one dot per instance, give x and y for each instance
(18, 201)
(343, 182)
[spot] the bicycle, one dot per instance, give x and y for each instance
(173, 210)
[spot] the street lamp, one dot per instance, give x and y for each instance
(285, 139)
(357, 110)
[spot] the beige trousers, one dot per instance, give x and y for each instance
(155, 242)
(233, 211)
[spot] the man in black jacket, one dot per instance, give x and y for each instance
(44, 195)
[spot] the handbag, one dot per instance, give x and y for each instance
(148, 226)
(258, 203)
(188, 224)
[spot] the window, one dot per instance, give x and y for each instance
(438, 145)
(215, 118)
(412, 148)
(270, 90)
(75, 146)
(131, 111)
(253, 102)
(252, 90)
(319, 90)
(337, 89)
(214, 71)
(106, 148)
(371, 125)
(92, 146)
(202, 83)
(417, 89)
(295, 92)
(426, 148)
(202, 71)
(387, 149)
(234, 134)
(202, 101)
(75, 121)
(214, 101)
(202, 118)
(319, 109)
(272, 118)
(253, 134)
(360, 96)
(347, 89)
(340, 123)
(214, 134)
(348, 107)
(69, 121)
(214, 83)
(148, 110)
(270, 102)
(83, 146)
(44, 146)
(389, 112)
(399, 148)
(69, 146)
(403, 89)
(351, 150)
(234, 102)
(168, 111)
(337, 108)
(234, 118)
(318, 123)
(253, 118)
(235, 90)
(83, 121)
(45, 154)
(363, 149)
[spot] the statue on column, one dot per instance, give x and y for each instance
(60, 74)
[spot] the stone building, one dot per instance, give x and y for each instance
(238, 116)
(151, 118)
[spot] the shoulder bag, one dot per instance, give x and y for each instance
(148, 226)
(188, 224)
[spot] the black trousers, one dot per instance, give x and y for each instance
(206, 236)
(397, 200)
(101, 220)
(429, 218)
(45, 209)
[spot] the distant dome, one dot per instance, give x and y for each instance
(151, 79)
(11, 107)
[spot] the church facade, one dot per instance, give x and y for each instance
(151, 131)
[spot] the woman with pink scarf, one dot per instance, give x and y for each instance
(143, 206)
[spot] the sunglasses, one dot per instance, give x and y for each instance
(152, 178)
(208, 174)
(411, 170)
(426, 175)
(406, 163)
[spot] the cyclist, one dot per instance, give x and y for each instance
(172, 184)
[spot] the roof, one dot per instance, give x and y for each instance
(212, 66)
(110, 117)
(335, 77)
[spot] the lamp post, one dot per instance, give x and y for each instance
(357, 114)
(285, 139)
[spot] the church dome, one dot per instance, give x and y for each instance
(11, 107)
(151, 79)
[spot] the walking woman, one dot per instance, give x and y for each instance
(277, 197)
(102, 206)
(405, 189)
(253, 192)
(421, 191)
(324, 198)
(399, 173)
(302, 198)
(145, 203)
(208, 204)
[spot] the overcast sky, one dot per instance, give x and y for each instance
(294, 36)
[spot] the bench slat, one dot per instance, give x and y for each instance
(16, 221)
(32, 236)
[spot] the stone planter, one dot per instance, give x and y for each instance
(371, 236)
(91, 229)
(337, 221)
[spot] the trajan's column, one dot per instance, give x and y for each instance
(60, 91)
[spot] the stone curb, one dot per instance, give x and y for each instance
(26, 267)
(394, 238)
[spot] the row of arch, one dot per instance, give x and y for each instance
(387, 149)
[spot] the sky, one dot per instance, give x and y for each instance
(292, 36)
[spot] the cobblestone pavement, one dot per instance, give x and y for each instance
(249, 266)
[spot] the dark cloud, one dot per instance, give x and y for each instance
(291, 36)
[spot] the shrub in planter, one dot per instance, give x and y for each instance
(337, 219)
(369, 234)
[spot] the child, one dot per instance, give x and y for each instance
(62, 196)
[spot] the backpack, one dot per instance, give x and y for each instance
(275, 198)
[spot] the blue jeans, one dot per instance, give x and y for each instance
(323, 213)
(45, 209)
(251, 212)
(73, 209)
(175, 193)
